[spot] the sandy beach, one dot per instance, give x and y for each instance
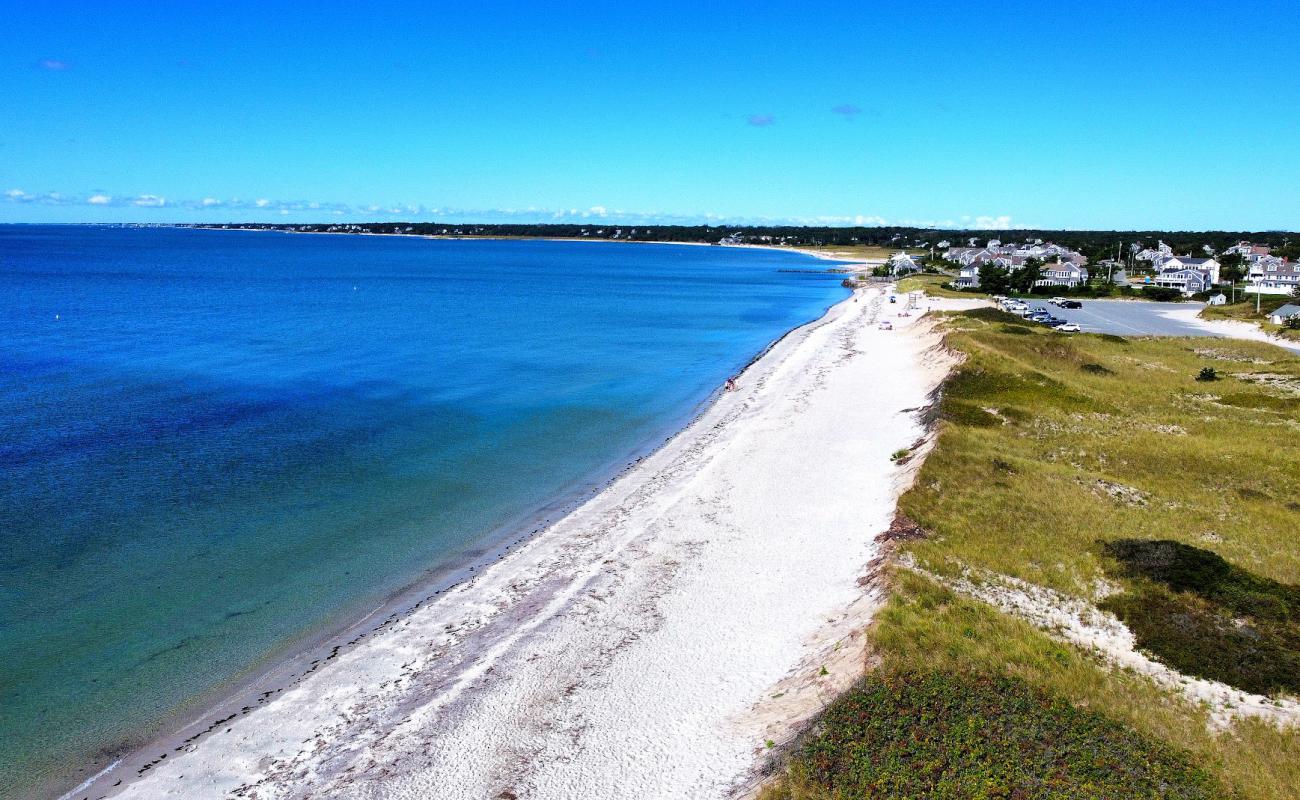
(1231, 329)
(653, 642)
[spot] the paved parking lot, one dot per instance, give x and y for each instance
(1129, 317)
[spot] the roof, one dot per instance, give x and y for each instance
(1288, 310)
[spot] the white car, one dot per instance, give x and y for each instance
(1068, 327)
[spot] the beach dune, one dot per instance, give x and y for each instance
(651, 643)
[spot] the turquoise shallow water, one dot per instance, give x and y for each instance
(215, 445)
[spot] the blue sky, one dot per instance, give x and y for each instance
(1056, 114)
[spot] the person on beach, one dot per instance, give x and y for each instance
(731, 384)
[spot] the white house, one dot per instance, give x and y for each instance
(1281, 315)
(968, 277)
(1273, 276)
(902, 264)
(1219, 299)
(1209, 266)
(1063, 274)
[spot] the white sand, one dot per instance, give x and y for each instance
(633, 649)
(1100, 632)
(1229, 328)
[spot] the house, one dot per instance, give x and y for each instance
(1187, 281)
(1273, 276)
(1219, 299)
(1246, 250)
(968, 277)
(1281, 315)
(1012, 256)
(1063, 274)
(1161, 250)
(902, 264)
(1209, 266)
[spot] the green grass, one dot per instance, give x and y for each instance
(903, 733)
(1074, 462)
(936, 286)
(1209, 618)
(1072, 411)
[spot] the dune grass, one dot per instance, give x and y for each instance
(1076, 463)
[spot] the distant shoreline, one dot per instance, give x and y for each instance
(501, 238)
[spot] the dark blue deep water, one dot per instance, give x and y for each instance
(214, 445)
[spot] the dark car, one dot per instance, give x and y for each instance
(1071, 304)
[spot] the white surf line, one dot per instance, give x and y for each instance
(1083, 624)
(88, 782)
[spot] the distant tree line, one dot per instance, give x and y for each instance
(1096, 245)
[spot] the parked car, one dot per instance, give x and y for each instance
(1053, 322)
(1071, 304)
(1056, 301)
(1069, 327)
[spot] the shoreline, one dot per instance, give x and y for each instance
(298, 660)
(537, 578)
(461, 238)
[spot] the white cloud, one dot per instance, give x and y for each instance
(528, 214)
(985, 223)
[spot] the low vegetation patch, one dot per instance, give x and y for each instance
(904, 733)
(1196, 612)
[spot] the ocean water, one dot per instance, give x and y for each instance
(215, 446)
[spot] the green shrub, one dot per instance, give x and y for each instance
(926, 734)
(1206, 617)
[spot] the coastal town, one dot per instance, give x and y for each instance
(1059, 266)
(650, 401)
